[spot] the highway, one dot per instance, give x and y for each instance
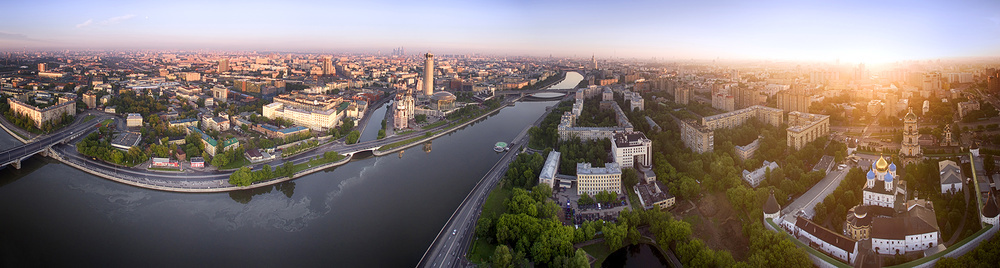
(23, 151)
(449, 247)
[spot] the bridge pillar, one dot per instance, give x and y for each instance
(17, 164)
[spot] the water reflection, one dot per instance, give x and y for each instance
(9, 174)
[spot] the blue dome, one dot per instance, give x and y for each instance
(888, 177)
(892, 167)
(871, 174)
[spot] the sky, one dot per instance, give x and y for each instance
(852, 31)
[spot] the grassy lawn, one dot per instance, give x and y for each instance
(315, 162)
(88, 118)
(405, 142)
(238, 162)
(599, 251)
(494, 205)
(634, 200)
(481, 252)
(107, 121)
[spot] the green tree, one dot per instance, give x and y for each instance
(614, 235)
(502, 257)
(353, 137)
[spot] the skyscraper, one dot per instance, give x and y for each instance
(428, 74)
(223, 65)
(328, 67)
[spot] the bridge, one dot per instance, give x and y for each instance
(44, 145)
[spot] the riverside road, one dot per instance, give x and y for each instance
(454, 239)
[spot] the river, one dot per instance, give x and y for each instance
(371, 212)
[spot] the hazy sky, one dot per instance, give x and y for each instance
(871, 31)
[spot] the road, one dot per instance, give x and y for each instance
(817, 193)
(194, 179)
(450, 246)
(40, 143)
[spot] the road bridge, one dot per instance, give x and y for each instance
(42, 145)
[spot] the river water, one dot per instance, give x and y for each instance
(371, 212)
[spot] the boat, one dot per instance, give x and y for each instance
(500, 147)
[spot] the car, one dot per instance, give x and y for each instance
(453, 232)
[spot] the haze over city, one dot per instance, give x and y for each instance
(464, 134)
(852, 31)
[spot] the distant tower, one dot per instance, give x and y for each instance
(41, 67)
(428, 74)
(910, 151)
(223, 65)
(593, 62)
(328, 67)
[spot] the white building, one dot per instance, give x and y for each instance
(951, 176)
(754, 178)
(825, 240)
(133, 120)
(549, 170)
(915, 231)
(593, 180)
(632, 148)
(315, 120)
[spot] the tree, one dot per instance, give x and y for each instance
(614, 235)
(629, 178)
(580, 259)
(353, 137)
(420, 118)
(502, 257)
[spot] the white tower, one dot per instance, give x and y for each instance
(428, 74)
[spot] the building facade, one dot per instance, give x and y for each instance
(40, 116)
(631, 149)
(593, 180)
(805, 128)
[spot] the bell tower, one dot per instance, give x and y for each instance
(910, 151)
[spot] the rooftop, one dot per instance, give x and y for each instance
(609, 168)
(629, 139)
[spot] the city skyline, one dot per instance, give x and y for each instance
(846, 31)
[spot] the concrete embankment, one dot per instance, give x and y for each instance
(378, 152)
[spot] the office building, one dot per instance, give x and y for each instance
(631, 149)
(133, 120)
(549, 170)
(592, 180)
(223, 65)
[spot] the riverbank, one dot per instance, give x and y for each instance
(379, 152)
(222, 184)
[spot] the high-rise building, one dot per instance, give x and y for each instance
(794, 100)
(428, 74)
(593, 62)
(223, 65)
(328, 67)
(41, 67)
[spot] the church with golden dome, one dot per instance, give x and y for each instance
(894, 224)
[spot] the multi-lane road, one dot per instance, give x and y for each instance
(449, 247)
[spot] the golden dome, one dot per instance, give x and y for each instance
(881, 165)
